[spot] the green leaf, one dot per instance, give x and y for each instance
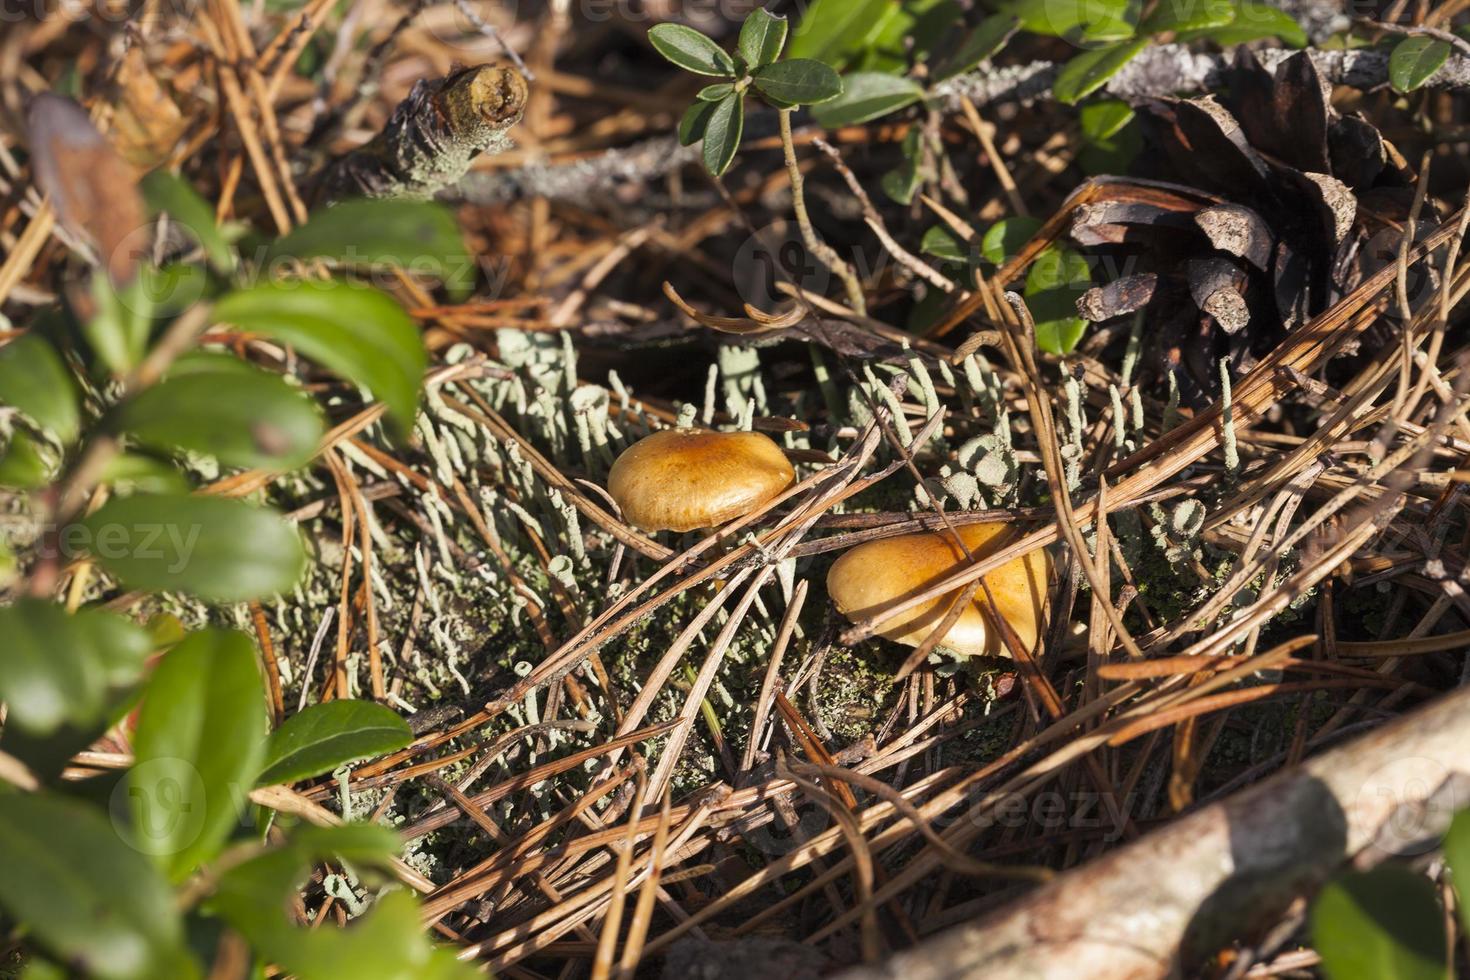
(762, 37)
(908, 34)
(58, 669)
(1253, 21)
(695, 122)
(217, 548)
(1006, 237)
(34, 379)
(140, 473)
(722, 134)
(691, 50)
(120, 323)
(27, 464)
(1384, 924)
(360, 333)
(714, 93)
(1090, 70)
(198, 748)
(1073, 19)
(1055, 283)
(1102, 120)
(1415, 60)
(221, 406)
(1457, 857)
(902, 182)
(866, 96)
(86, 897)
(388, 943)
(799, 81)
(983, 42)
(1188, 15)
(419, 236)
(324, 736)
(164, 192)
(941, 243)
(835, 31)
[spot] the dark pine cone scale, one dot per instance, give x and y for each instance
(1248, 214)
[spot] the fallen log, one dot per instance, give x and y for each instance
(1161, 904)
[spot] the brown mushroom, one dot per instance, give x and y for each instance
(878, 575)
(685, 479)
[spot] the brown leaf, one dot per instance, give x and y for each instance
(93, 189)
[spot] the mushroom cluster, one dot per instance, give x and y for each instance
(687, 479)
(690, 479)
(879, 575)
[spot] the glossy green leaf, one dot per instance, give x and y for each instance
(166, 193)
(58, 669)
(26, 464)
(1457, 858)
(1090, 70)
(799, 81)
(695, 122)
(714, 93)
(1071, 18)
(1054, 284)
(418, 236)
(691, 50)
(1253, 21)
(834, 31)
(198, 749)
(762, 37)
(34, 379)
(722, 134)
(217, 548)
(85, 896)
(1188, 15)
(1006, 238)
(1384, 924)
(324, 736)
(1415, 60)
(360, 333)
(867, 96)
(983, 42)
(220, 406)
(941, 243)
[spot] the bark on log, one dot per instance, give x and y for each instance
(1162, 903)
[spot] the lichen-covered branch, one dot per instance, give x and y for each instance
(432, 137)
(1169, 69)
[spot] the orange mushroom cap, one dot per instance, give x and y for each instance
(880, 574)
(684, 479)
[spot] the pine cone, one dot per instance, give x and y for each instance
(1251, 213)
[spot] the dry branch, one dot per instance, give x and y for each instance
(432, 137)
(1161, 70)
(1157, 905)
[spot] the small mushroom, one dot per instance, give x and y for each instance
(685, 479)
(881, 574)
